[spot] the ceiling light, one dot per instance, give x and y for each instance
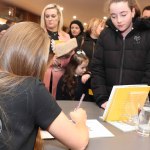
(61, 8)
(74, 17)
(105, 18)
(85, 24)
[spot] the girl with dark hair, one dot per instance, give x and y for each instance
(71, 86)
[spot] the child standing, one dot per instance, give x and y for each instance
(71, 86)
(122, 51)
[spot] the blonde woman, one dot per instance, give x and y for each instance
(52, 23)
(25, 104)
(88, 41)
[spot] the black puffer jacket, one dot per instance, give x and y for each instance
(119, 61)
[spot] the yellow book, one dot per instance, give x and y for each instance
(124, 101)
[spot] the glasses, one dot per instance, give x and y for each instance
(144, 121)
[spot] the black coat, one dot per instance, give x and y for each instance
(79, 90)
(120, 61)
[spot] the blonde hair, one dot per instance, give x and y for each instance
(94, 22)
(59, 12)
(23, 53)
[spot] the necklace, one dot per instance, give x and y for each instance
(53, 35)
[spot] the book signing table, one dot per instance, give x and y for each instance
(103, 135)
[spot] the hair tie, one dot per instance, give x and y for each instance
(81, 52)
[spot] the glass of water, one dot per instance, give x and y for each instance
(144, 121)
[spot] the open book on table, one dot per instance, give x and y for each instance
(125, 101)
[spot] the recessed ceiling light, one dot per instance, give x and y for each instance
(84, 23)
(61, 8)
(105, 18)
(74, 17)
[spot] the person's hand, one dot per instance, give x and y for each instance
(104, 105)
(78, 115)
(85, 77)
(56, 61)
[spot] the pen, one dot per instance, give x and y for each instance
(81, 99)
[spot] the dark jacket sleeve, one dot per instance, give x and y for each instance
(59, 92)
(98, 74)
(146, 77)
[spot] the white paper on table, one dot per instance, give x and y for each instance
(96, 129)
(46, 135)
(123, 126)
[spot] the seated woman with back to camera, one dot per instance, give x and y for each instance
(25, 103)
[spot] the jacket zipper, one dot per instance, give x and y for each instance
(122, 62)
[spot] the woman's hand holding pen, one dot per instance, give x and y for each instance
(78, 115)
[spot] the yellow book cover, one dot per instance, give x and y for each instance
(124, 101)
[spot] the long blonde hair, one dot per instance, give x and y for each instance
(59, 12)
(24, 51)
(94, 22)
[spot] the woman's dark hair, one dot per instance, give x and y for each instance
(79, 23)
(69, 75)
(146, 8)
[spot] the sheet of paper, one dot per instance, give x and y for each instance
(46, 135)
(96, 129)
(123, 126)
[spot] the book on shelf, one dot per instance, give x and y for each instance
(125, 101)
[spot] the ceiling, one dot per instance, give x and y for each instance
(83, 9)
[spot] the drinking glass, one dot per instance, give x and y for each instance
(144, 121)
